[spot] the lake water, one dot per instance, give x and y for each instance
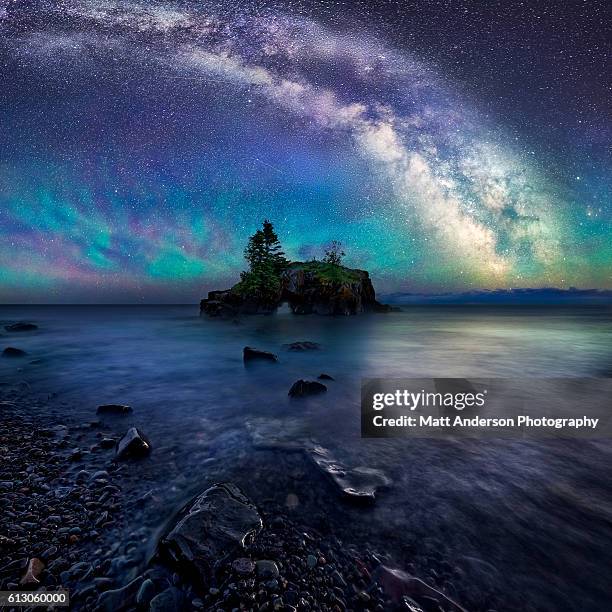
(528, 521)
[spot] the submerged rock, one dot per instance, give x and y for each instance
(304, 345)
(278, 434)
(21, 326)
(113, 409)
(11, 351)
(219, 522)
(358, 485)
(399, 585)
(133, 444)
(302, 388)
(325, 377)
(252, 354)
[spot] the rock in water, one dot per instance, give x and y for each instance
(11, 351)
(312, 287)
(133, 444)
(304, 345)
(21, 326)
(252, 354)
(302, 388)
(113, 409)
(325, 377)
(219, 522)
(399, 585)
(32, 575)
(358, 485)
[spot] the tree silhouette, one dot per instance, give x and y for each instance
(266, 261)
(334, 253)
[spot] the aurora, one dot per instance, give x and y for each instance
(144, 142)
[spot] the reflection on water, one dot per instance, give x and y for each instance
(532, 518)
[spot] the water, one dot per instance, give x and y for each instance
(528, 521)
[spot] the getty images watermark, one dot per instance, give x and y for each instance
(491, 407)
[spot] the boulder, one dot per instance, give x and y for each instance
(132, 445)
(302, 388)
(20, 326)
(304, 345)
(252, 354)
(113, 409)
(325, 377)
(11, 351)
(217, 524)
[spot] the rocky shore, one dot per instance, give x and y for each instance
(69, 518)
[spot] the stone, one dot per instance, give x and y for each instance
(398, 585)
(146, 592)
(11, 351)
(267, 569)
(311, 561)
(107, 442)
(252, 354)
(219, 522)
(118, 409)
(302, 388)
(325, 377)
(132, 445)
(20, 326)
(116, 600)
(243, 566)
(358, 485)
(34, 570)
(304, 345)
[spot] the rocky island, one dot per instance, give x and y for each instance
(323, 287)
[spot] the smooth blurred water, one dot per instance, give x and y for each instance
(529, 518)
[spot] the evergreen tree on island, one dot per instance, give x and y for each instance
(266, 260)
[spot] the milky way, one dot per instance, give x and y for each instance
(143, 143)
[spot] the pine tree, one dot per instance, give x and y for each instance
(266, 261)
(274, 249)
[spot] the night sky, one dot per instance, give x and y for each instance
(449, 145)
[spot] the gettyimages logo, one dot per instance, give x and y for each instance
(458, 407)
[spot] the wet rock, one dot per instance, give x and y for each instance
(117, 600)
(170, 600)
(304, 345)
(243, 566)
(358, 485)
(107, 442)
(133, 445)
(217, 523)
(398, 584)
(34, 570)
(146, 592)
(302, 388)
(250, 354)
(114, 409)
(267, 569)
(20, 327)
(11, 351)
(325, 377)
